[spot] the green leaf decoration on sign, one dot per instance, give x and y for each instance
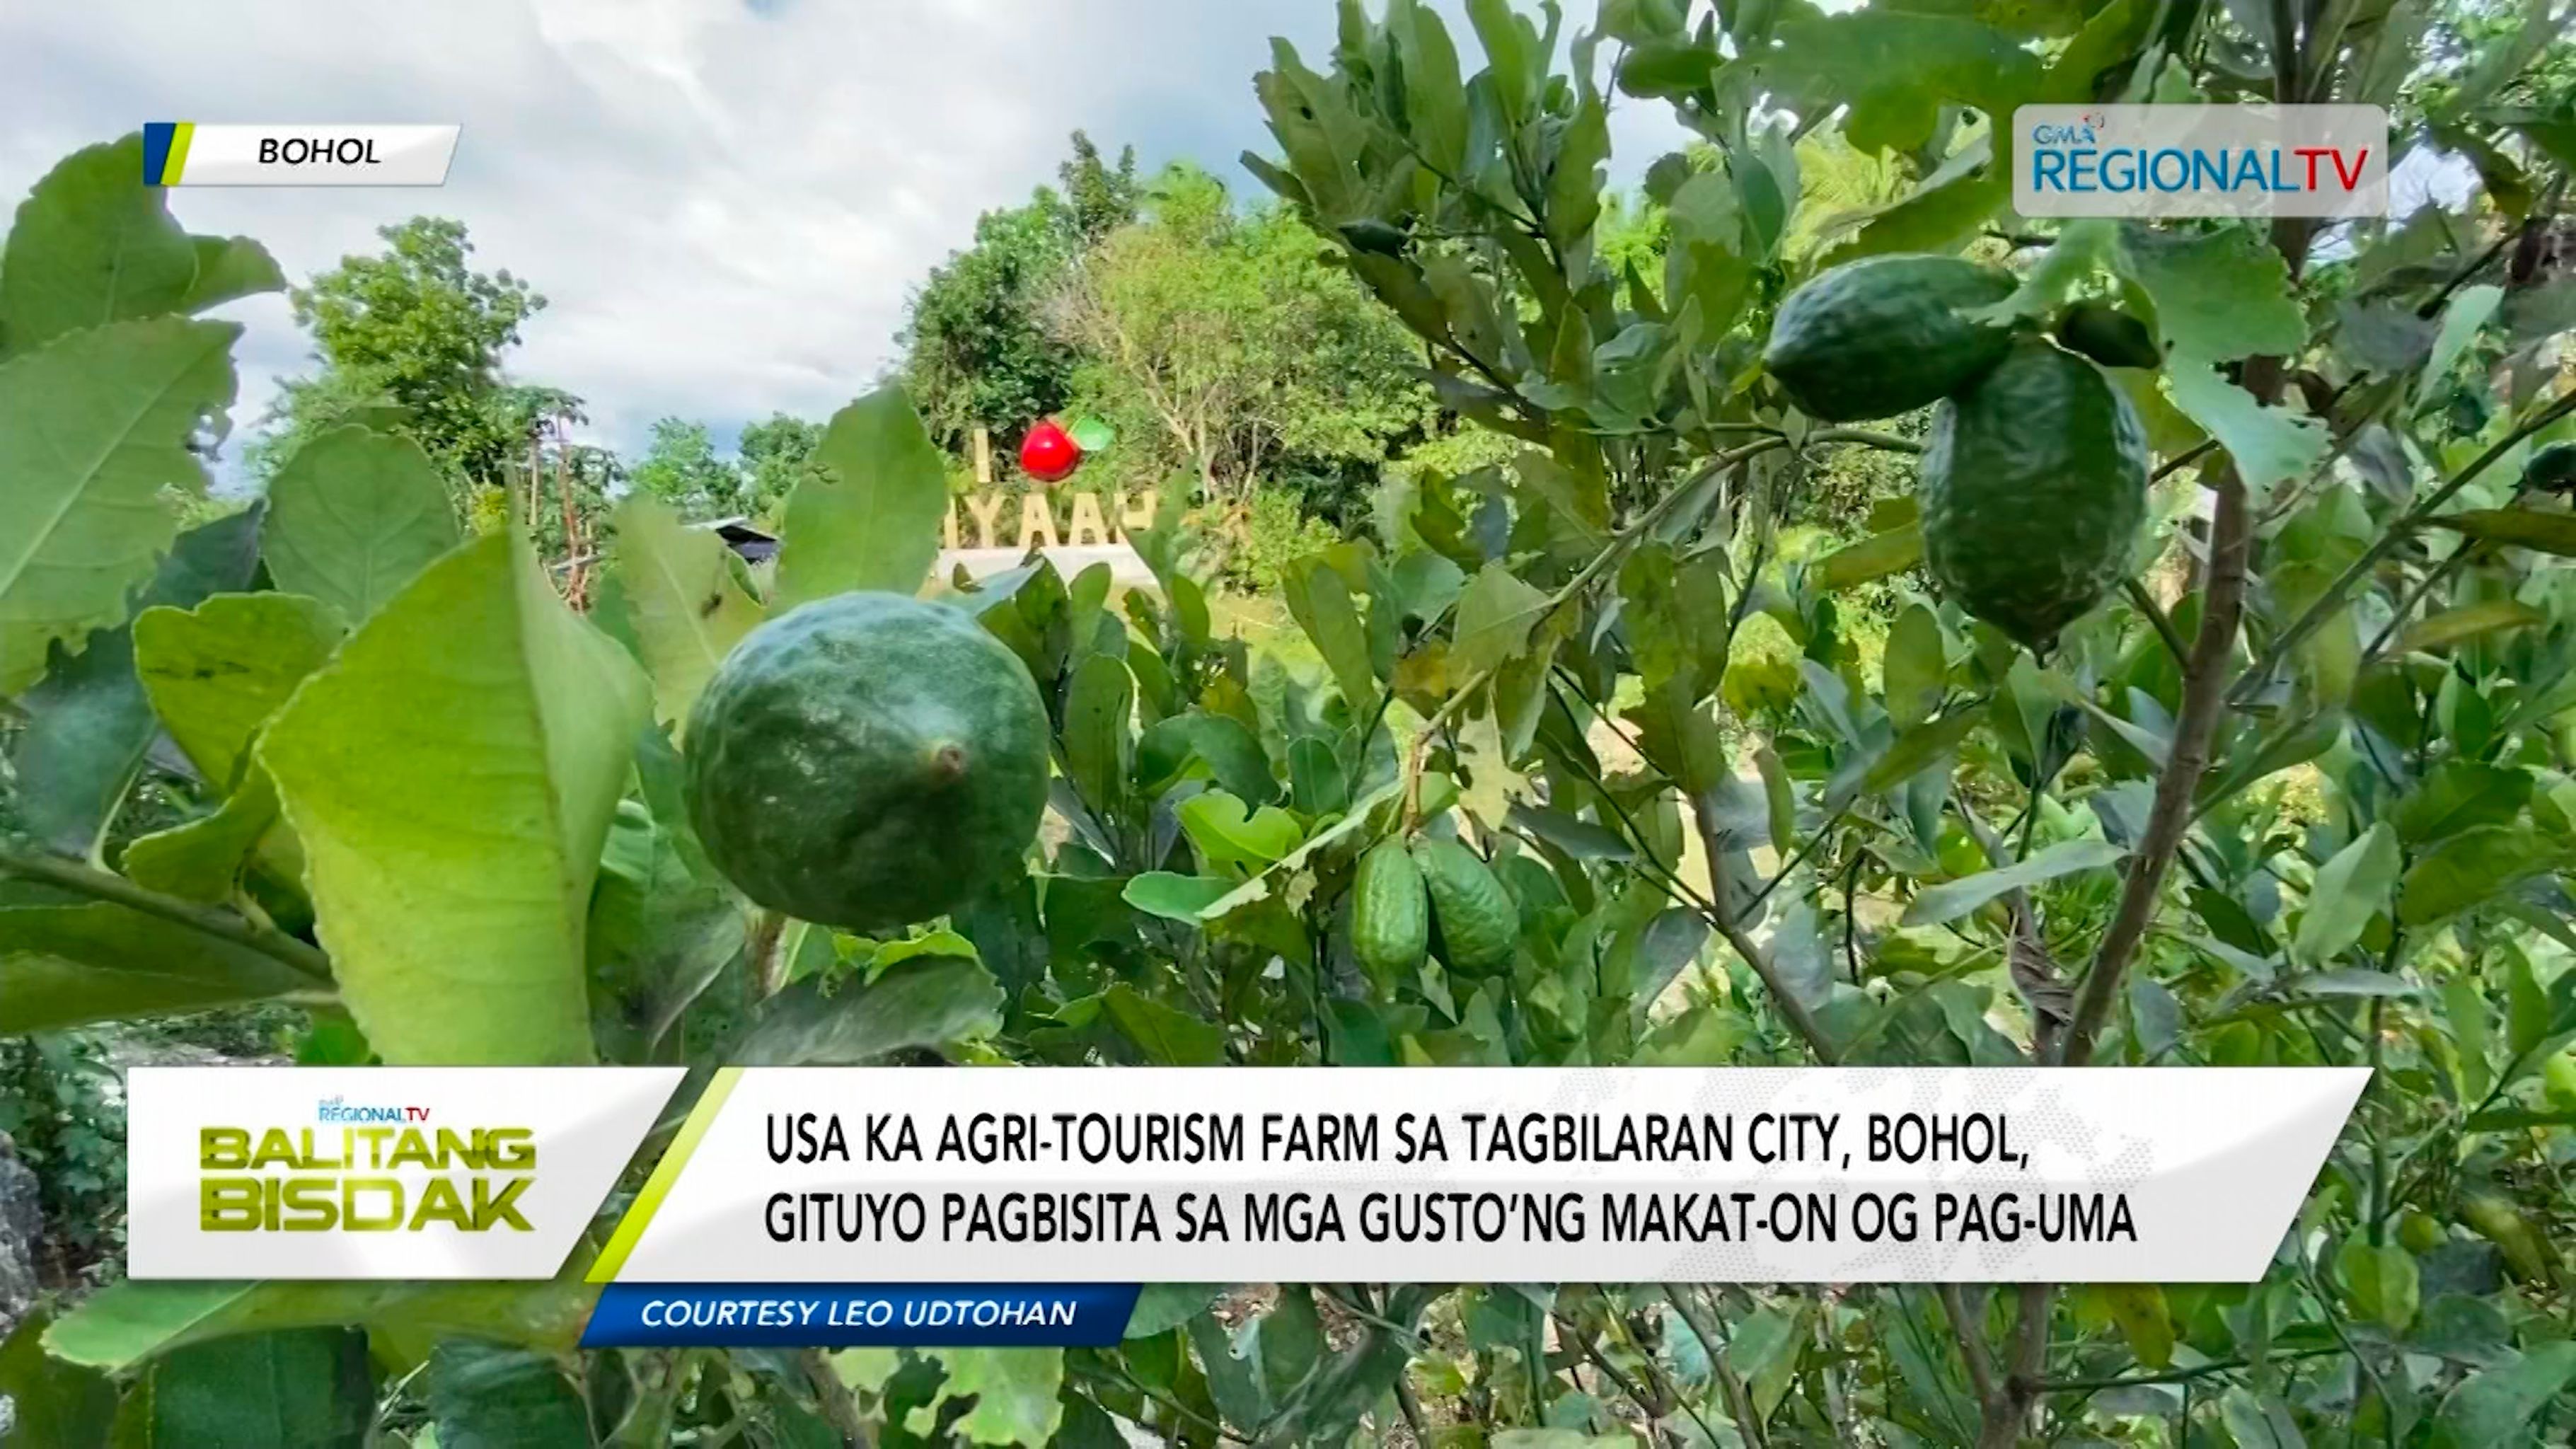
(92, 245)
(868, 517)
(354, 515)
(451, 774)
(688, 607)
(93, 428)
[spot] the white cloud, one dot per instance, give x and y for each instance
(724, 204)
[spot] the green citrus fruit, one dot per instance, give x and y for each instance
(1390, 915)
(867, 760)
(2033, 489)
(1479, 925)
(1884, 335)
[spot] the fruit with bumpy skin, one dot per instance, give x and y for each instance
(1479, 926)
(1884, 335)
(1390, 915)
(867, 760)
(2032, 492)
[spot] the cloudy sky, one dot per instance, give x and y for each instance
(725, 201)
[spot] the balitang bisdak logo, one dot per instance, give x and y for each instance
(384, 1172)
(2143, 161)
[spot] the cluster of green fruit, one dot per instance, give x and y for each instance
(1435, 895)
(2033, 483)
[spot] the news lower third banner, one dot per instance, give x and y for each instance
(847, 1206)
(191, 153)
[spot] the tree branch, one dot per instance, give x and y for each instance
(102, 885)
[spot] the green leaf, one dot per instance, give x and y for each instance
(2270, 445)
(2469, 621)
(1162, 1307)
(1099, 742)
(55, 1402)
(216, 673)
(2382, 1282)
(1920, 748)
(1320, 602)
(869, 516)
(2552, 533)
(64, 965)
(354, 515)
(1495, 616)
(93, 428)
(2496, 1407)
(1895, 70)
(1874, 557)
(1230, 833)
(2349, 890)
(1175, 897)
(2144, 1320)
(129, 1324)
(89, 722)
(1167, 1037)
(1574, 186)
(92, 245)
(2219, 295)
(1952, 899)
(2468, 311)
(305, 1386)
(1014, 1390)
(657, 936)
(2469, 868)
(688, 608)
(927, 1003)
(451, 774)
(1916, 666)
(200, 859)
(2459, 795)
(483, 1397)
(1231, 753)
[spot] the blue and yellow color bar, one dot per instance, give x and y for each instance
(165, 151)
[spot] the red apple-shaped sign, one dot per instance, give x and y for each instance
(1049, 454)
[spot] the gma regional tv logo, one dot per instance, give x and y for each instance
(2193, 160)
(370, 1168)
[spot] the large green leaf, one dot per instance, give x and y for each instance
(869, 516)
(2496, 1407)
(129, 1324)
(1013, 1389)
(1099, 745)
(89, 723)
(1895, 70)
(688, 608)
(922, 1003)
(1955, 898)
(659, 934)
(451, 774)
(1495, 616)
(1167, 1037)
(2468, 869)
(2552, 533)
(92, 244)
(93, 428)
(64, 965)
(2350, 889)
(482, 1397)
(217, 672)
(354, 515)
(306, 1387)
(55, 1402)
(2219, 295)
(200, 859)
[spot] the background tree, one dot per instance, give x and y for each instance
(415, 337)
(681, 468)
(773, 454)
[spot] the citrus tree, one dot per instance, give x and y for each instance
(2262, 760)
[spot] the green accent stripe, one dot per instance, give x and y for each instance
(177, 166)
(639, 1214)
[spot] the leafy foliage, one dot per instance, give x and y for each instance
(2300, 796)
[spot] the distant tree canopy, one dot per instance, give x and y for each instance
(682, 467)
(414, 339)
(976, 345)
